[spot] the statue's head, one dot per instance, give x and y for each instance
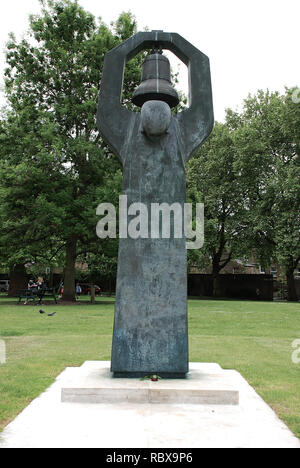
(155, 117)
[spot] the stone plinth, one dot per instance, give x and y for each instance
(205, 384)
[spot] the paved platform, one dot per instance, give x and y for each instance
(206, 384)
(49, 422)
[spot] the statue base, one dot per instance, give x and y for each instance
(137, 375)
(205, 384)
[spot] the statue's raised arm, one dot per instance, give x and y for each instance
(112, 117)
(196, 122)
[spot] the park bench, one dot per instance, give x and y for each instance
(37, 295)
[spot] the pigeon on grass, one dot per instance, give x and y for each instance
(42, 311)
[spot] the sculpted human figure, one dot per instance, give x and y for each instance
(150, 328)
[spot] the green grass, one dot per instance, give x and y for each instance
(255, 338)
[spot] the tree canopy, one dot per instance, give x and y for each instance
(55, 169)
(247, 175)
(52, 85)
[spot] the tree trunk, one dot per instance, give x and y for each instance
(291, 287)
(51, 279)
(216, 285)
(93, 300)
(18, 279)
(218, 263)
(69, 293)
(216, 276)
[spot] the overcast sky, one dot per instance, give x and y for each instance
(252, 44)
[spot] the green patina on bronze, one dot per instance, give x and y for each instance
(150, 329)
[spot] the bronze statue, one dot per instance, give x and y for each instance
(150, 329)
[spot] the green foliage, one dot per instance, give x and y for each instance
(247, 174)
(267, 143)
(211, 174)
(59, 160)
(55, 169)
(31, 191)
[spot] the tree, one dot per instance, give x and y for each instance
(267, 142)
(29, 194)
(211, 174)
(55, 73)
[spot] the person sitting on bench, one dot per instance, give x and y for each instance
(41, 286)
(32, 286)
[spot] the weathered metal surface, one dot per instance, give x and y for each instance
(150, 328)
(156, 82)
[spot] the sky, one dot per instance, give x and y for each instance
(252, 44)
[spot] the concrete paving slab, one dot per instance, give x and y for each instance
(47, 422)
(205, 384)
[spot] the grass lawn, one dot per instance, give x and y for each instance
(255, 338)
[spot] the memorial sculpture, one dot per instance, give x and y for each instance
(150, 327)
